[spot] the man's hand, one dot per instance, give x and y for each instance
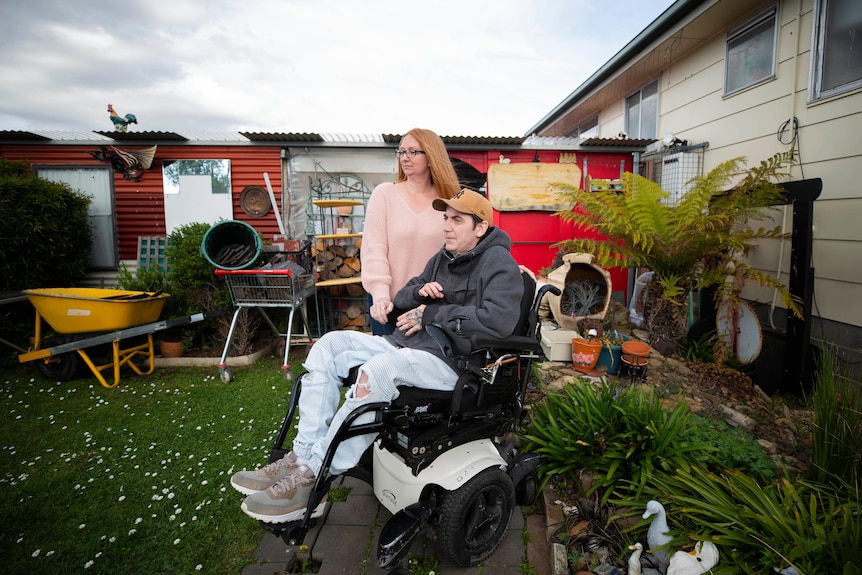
(411, 321)
(431, 289)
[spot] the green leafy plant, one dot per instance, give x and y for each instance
(837, 432)
(697, 243)
(616, 434)
(810, 526)
(699, 349)
(46, 238)
(731, 448)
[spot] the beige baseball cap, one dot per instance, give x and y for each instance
(467, 202)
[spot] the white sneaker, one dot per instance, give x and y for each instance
(286, 500)
(248, 482)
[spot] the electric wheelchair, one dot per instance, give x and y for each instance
(441, 458)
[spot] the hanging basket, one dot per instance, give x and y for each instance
(585, 354)
(585, 291)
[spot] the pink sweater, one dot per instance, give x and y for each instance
(396, 241)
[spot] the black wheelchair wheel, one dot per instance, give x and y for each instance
(473, 519)
(62, 367)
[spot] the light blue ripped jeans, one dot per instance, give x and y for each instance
(386, 367)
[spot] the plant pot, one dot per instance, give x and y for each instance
(171, 348)
(610, 356)
(635, 358)
(585, 354)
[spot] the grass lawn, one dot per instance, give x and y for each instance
(133, 479)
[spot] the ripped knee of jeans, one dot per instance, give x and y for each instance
(362, 387)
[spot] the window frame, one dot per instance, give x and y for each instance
(640, 107)
(816, 92)
(738, 33)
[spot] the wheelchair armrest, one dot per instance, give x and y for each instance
(450, 343)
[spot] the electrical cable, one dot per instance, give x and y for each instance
(793, 124)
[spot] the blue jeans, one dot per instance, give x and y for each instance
(385, 366)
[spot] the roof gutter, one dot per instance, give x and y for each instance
(665, 22)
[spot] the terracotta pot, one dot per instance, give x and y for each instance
(636, 348)
(585, 354)
(171, 348)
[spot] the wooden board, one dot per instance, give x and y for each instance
(336, 203)
(524, 187)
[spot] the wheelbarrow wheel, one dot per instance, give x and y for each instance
(62, 367)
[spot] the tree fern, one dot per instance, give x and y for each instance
(699, 242)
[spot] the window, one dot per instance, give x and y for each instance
(196, 191)
(642, 112)
(98, 184)
(588, 128)
(749, 56)
(837, 61)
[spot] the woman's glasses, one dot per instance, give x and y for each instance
(408, 153)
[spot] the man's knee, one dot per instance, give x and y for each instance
(362, 387)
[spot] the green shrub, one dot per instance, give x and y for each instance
(45, 239)
(618, 435)
(731, 448)
(837, 432)
(700, 349)
(811, 526)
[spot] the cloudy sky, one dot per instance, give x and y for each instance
(465, 67)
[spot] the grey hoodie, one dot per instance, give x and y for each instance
(483, 286)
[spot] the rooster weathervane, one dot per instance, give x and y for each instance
(121, 124)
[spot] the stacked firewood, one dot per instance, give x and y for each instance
(341, 261)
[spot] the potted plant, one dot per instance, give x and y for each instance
(586, 349)
(699, 242)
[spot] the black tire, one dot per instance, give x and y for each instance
(473, 519)
(527, 491)
(63, 367)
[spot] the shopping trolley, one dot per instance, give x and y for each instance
(263, 288)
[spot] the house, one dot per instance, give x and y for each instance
(710, 80)
(212, 176)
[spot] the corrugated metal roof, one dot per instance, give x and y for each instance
(554, 142)
(306, 138)
(483, 140)
(20, 136)
(342, 138)
(213, 136)
(143, 136)
(629, 144)
(282, 137)
(70, 135)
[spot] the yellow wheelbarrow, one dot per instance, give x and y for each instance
(86, 317)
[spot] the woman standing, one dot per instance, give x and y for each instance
(402, 231)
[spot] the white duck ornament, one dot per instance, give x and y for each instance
(657, 534)
(635, 559)
(701, 560)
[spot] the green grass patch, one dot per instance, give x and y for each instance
(133, 479)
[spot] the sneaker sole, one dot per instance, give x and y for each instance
(287, 517)
(248, 490)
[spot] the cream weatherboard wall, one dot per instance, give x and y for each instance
(757, 123)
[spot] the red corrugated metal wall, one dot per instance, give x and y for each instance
(534, 232)
(139, 206)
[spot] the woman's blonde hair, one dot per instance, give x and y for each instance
(443, 175)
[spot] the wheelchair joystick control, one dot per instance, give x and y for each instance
(458, 319)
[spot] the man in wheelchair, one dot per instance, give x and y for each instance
(473, 285)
